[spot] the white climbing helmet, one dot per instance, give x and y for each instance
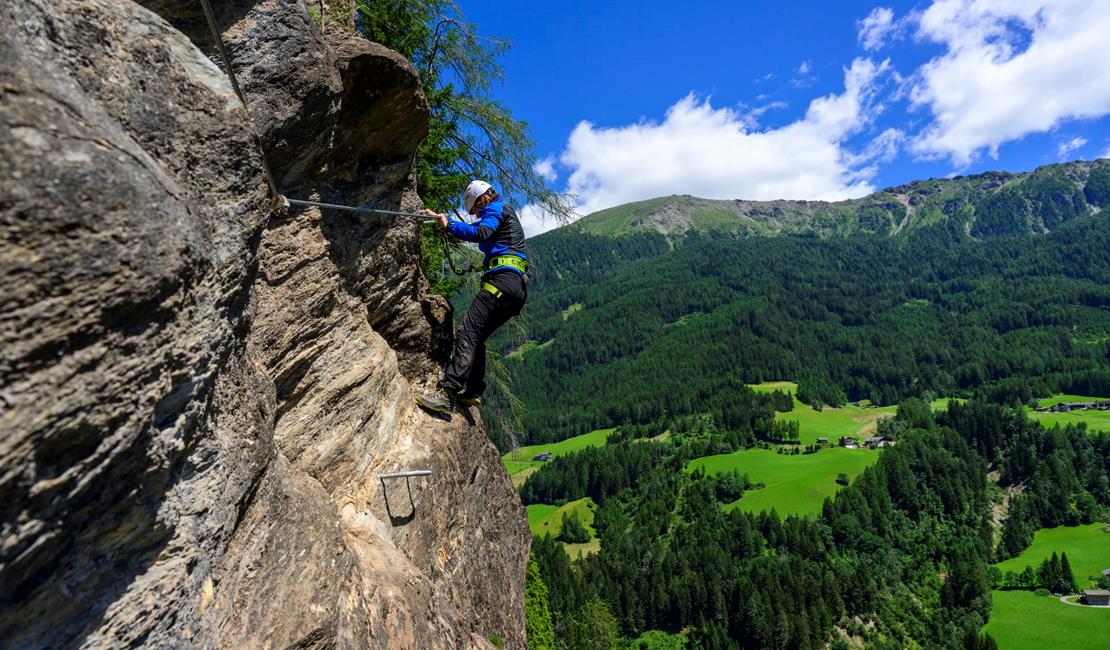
(473, 191)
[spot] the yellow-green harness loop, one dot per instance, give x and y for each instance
(486, 286)
(512, 261)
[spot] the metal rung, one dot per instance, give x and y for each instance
(411, 474)
(408, 476)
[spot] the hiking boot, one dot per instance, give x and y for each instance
(469, 399)
(438, 402)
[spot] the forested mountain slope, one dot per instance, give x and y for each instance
(624, 329)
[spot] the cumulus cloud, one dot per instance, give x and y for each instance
(1105, 154)
(714, 152)
(546, 169)
(1065, 149)
(1010, 68)
(874, 29)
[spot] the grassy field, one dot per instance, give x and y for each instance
(521, 459)
(795, 484)
(1088, 549)
(772, 386)
(1095, 420)
(520, 477)
(544, 519)
(1022, 620)
(1063, 397)
(832, 423)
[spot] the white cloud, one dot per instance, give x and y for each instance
(1011, 68)
(1105, 154)
(534, 219)
(874, 29)
(714, 152)
(751, 117)
(882, 149)
(1065, 149)
(803, 77)
(546, 169)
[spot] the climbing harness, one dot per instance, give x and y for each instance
(511, 261)
(486, 286)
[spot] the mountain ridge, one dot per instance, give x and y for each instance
(963, 293)
(889, 211)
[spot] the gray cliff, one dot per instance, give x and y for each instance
(197, 396)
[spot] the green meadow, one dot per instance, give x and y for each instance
(795, 484)
(546, 519)
(521, 459)
(1065, 397)
(832, 423)
(1088, 549)
(1095, 420)
(1022, 620)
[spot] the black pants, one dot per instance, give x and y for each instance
(466, 374)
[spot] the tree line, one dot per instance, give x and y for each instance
(900, 557)
(676, 333)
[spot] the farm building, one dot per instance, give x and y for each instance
(878, 441)
(822, 441)
(545, 456)
(848, 442)
(1096, 597)
(1081, 406)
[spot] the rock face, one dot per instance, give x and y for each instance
(196, 397)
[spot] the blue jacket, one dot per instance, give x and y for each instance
(497, 232)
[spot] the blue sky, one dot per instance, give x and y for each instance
(628, 100)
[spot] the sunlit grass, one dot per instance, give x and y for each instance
(795, 484)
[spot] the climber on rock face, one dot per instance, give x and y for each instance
(500, 237)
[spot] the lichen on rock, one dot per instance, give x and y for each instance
(196, 397)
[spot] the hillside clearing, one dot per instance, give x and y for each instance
(544, 519)
(1088, 549)
(795, 484)
(1095, 420)
(1022, 620)
(832, 422)
(520, 460)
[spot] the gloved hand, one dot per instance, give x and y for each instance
(441, 218)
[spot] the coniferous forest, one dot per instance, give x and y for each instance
(633, 328)
(660, 336)
(898, 558)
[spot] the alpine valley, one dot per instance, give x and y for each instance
(799, 424)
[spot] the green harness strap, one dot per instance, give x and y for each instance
(486, 286)
(513, 261)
